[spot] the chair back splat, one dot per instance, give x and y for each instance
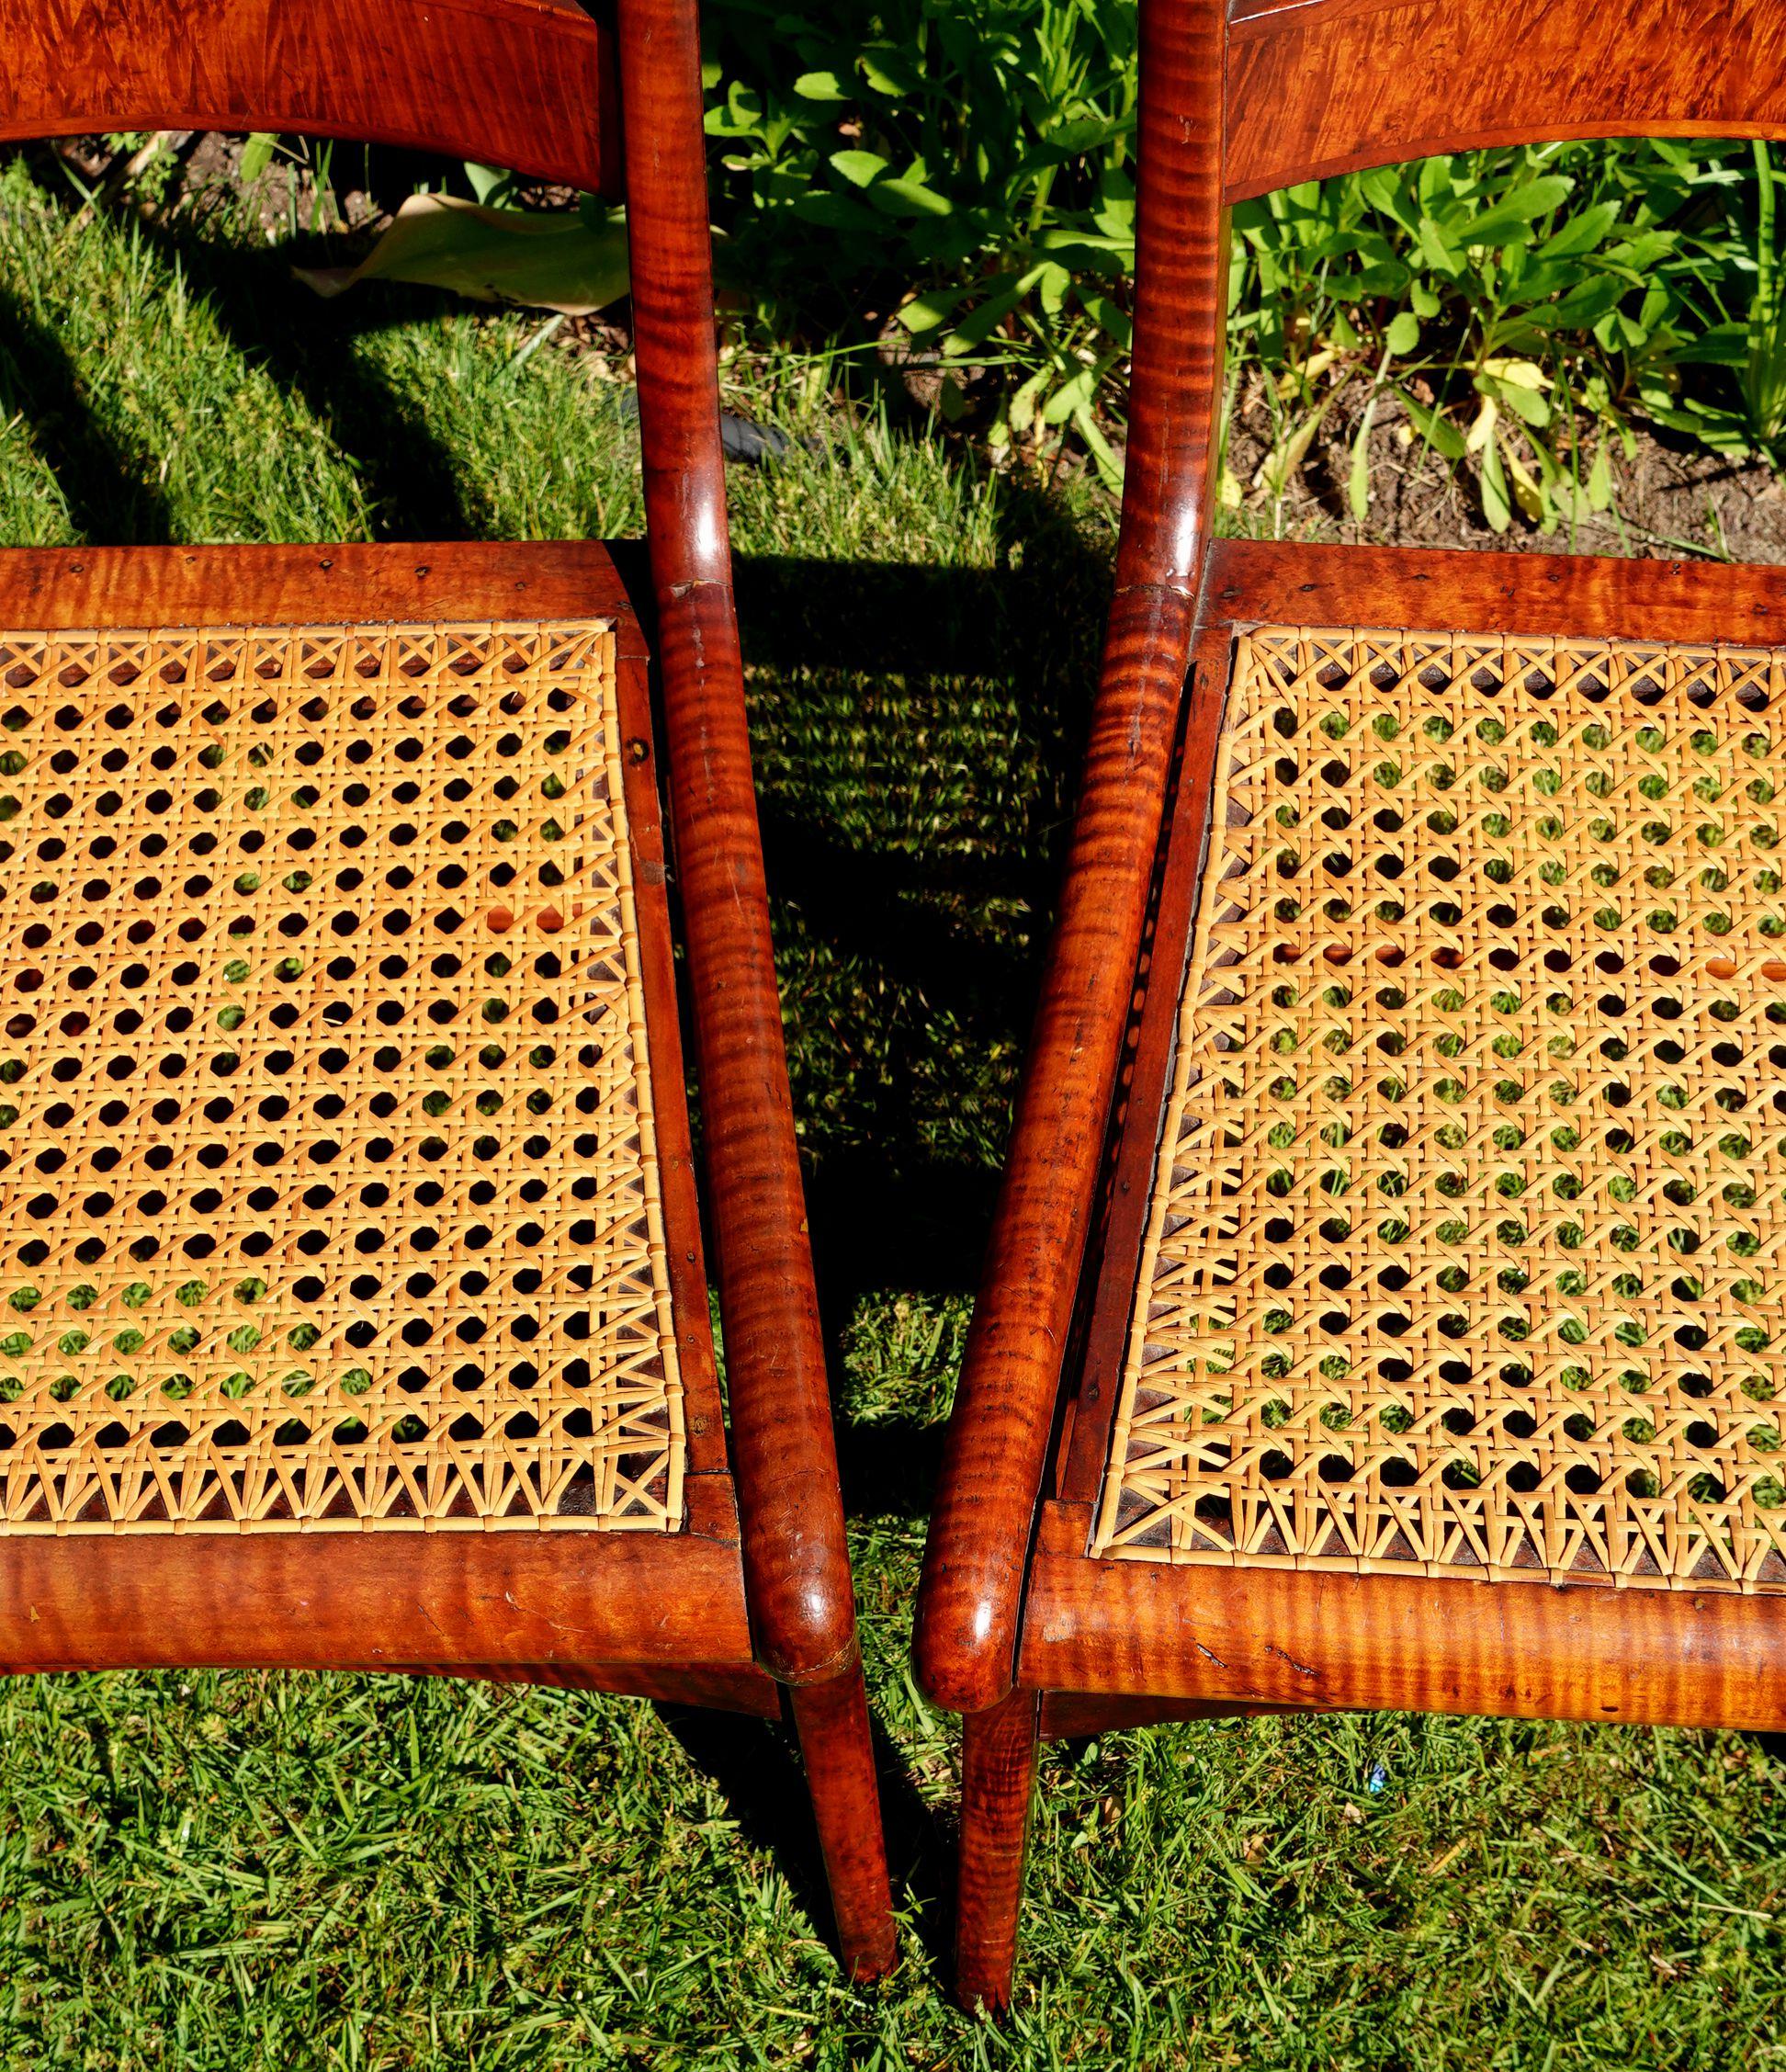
(1279, 1362)
(529, 1473)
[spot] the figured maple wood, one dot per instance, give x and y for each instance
(784, 1454)
(1255, 583)
(527, 83)
(796, 1561)
(1323, 87)
(994, 1460)
(998, 1788)
(1320, 1639)
(61, 589)
(371, 1601)
(837, 1743)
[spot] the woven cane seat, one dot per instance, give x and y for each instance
(329, 1194)
(1465, 1246)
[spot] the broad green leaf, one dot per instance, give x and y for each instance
(1512, 216)
(1107, 465)
(1436, 429)
(1403, 335)
(549, 261)
(1492, 483)
(924, 313)
(1581, 232)
(890, 71)
(859, 167)
(820, 87)
(1599, 480)
(906, 197)
(1072, 396)
(256, 157)
(1358, 480)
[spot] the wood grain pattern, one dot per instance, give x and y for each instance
(839, 1751)
(525, 83)
(57, 589)
(1322, 87)
(784, 1454)
(1254, 582)
(796, 1568)
(994, 1461)
(303, 1600)
(998, 1786)
(1315, 1640)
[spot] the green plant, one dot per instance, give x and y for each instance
(969, 170)
(1520, 304)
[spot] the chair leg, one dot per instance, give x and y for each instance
(998, 1781)
(832, 1722)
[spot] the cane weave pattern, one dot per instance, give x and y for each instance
(328, 1175)
(1464, 1250)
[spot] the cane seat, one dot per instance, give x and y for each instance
(328, 1174)
(1463, 1252)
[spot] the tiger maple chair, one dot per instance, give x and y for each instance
(358, 1314)
(1386, 1302)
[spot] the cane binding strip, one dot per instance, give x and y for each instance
(1465, 1252)
(328, 1174)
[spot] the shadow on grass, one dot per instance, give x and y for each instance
(916, 833)
(754, 1764)
(306, 344)
(110, 489)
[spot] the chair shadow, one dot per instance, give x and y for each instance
(754, 1764)
(306, 344)
(109, 486)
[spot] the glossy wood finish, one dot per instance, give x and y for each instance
(1095, 1386)
(1290, 1638)
(838, 1746)
(1254, 581)
(59, 588)
(322, 1600)
(758, 1586)
(997, 1787)
(803, 1610)
(528, 83)
(993, 1464)
(1320, 86)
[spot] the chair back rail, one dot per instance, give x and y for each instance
(1332, 85)
(796, 1566)
(996, 1453)
(524, 84)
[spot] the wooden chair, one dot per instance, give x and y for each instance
(357, 1309)
(1386, 1302)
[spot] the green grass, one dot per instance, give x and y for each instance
(247, 1871)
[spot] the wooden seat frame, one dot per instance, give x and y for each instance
(750, 1606)
(1019, 1626)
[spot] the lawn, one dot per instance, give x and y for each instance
(246, 1870)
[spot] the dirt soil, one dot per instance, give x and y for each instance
(1669, 498)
